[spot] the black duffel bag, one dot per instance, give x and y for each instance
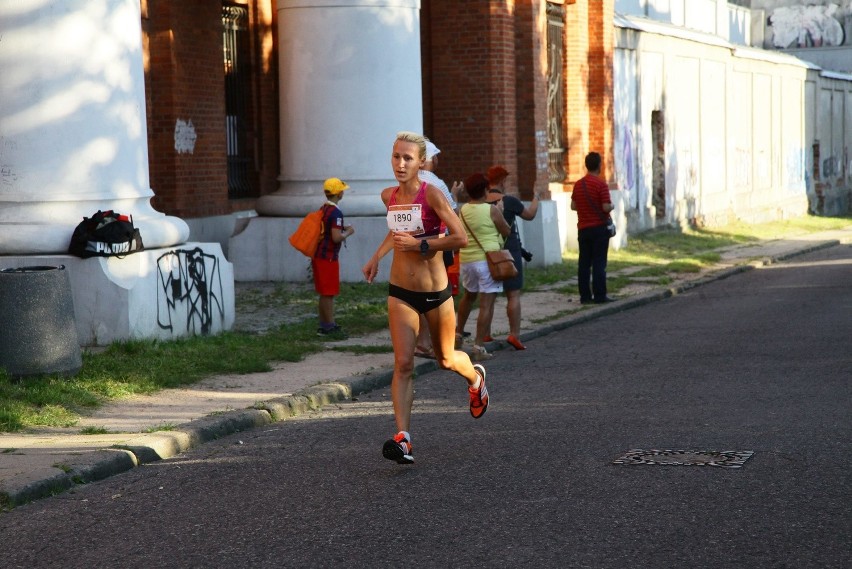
(105, 234)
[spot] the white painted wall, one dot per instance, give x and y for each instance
(740, 124)
(349, 80)
(73, 136)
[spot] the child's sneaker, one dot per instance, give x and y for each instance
(478, 397)
(333, 333)
(398, 448)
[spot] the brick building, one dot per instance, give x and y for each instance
(492, 92)
(250, 104)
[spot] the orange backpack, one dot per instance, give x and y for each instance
(307, 236)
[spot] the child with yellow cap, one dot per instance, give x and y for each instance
(325, 265)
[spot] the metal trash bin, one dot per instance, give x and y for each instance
(38, 335)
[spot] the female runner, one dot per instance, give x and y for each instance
(419, 285)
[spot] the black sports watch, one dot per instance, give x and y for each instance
(424, 247)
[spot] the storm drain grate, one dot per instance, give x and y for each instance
(723, 458)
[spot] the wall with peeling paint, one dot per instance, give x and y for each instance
(741, 127)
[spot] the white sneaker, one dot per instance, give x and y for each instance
(479, 353)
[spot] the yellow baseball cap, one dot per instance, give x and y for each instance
(335, 186)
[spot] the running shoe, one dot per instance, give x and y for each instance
(479, 353)
(515, 342)
(399, 449)
(488, 338)
(478, 397)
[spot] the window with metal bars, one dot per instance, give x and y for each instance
(237, 60)
(555, 92)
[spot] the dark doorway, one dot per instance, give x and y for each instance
(658, 163)
(237, 56)
(555, 92)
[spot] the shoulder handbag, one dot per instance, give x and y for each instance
(501, 265)
(610, 224)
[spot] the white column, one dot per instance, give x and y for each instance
(73, 137)
(350, 79)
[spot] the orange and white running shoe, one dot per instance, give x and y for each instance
(478, 397)
(399, 448)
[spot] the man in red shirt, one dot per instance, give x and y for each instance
(592, 202)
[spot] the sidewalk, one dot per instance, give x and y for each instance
(44, 462)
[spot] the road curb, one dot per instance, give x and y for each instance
(157, 446)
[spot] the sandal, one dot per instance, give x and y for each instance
(425, 353)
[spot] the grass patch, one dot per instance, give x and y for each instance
(94, 431)
(161, 427)
(362, 349)
(687, 266)
(786, 228)
(140, 367)
(650, 272)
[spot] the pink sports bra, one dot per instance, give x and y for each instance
(431, 221)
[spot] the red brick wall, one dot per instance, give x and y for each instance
(471, 99)
(588, 79)
(484, 71)
(184, 80)
(265, 130)
(485, 91)
(531, 97)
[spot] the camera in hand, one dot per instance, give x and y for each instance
(526, 255)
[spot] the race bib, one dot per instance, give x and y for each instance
(406, 218)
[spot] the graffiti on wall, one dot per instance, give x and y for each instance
(831, 167)
(626, 168)
(820, 25)
(185, 137)
(541, 154)
(795, 167)
(190, 286)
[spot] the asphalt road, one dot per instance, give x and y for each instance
(760, 361)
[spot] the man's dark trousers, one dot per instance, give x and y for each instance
(594, 246)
